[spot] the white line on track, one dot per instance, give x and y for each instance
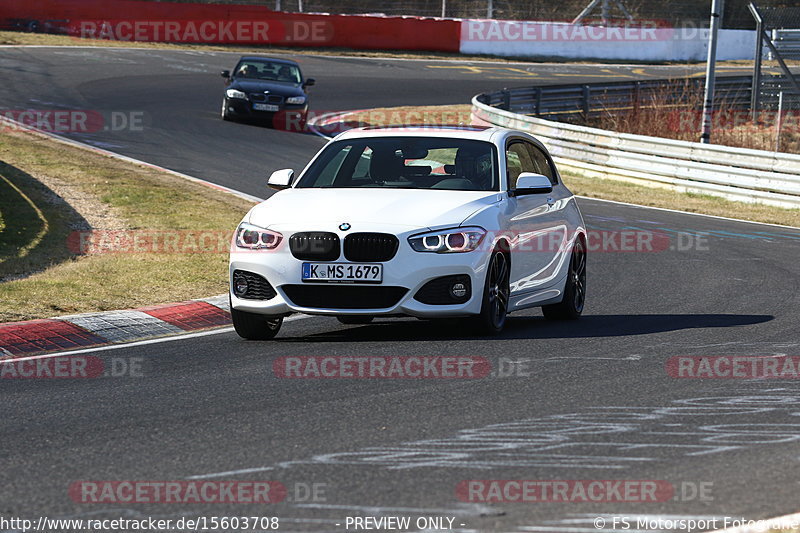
(232, 472)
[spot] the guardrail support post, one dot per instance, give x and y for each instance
(755, 95)
(586, 102)
(708, 101)
(506, 100)
(538, 102)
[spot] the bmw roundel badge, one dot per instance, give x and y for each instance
(344, 226)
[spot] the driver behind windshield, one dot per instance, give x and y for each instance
(247, 71)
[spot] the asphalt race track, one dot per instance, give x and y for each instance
(589, 400)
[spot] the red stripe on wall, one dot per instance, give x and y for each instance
(364, 32)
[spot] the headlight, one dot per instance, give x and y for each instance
(234, 93)
(255, 238)
(296, 100)
(448, 241)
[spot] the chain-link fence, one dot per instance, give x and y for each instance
(693, 13)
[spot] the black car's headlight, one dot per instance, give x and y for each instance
(255, 238)
(448, 241)
(296, 100)
(235, 93)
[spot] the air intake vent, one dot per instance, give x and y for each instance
(344, 296)
(251, 286)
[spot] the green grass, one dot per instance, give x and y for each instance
(57, 280)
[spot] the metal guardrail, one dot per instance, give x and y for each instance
(787, 42)
(592, 100)
(738, 174)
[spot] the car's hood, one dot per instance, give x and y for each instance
(254, 86)
(325, 209)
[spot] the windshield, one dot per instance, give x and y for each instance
(267, 70)
(405, 163)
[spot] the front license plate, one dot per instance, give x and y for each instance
(265, 107)
(342, 272)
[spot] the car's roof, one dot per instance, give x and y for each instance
(479, 133)
(271, 59)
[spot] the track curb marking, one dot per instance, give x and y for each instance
(88, 330)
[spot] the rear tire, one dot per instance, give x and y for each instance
(496, 292)
(255, 327)
(351, 320)
(571, 306)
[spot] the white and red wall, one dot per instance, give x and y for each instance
(129, 20)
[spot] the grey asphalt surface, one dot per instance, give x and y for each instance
(588, 400)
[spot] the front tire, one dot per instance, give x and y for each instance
(496, 292)
(571, 306)
(255, 327)
(225, 114)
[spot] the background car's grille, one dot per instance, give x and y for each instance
(258, 288)
(370, 247)
(268, 98)
(344, 296)
(315, 246)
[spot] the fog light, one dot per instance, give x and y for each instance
(458, 290)
(240, 285)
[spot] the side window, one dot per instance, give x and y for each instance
(541, 163)
(518, 160)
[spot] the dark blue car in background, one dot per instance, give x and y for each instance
(267, 90)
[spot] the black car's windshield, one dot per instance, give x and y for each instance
(267, 70)
(405, 163)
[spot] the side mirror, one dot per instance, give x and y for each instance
(530, 183)
(309, 82)
(281, 179)
(226, 74)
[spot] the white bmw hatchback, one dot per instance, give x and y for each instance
(422, 222)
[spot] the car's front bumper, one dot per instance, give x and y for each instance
(408, 269)
(244, 109)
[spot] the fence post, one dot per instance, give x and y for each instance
(586, 102)
(755, 95)
(506, 100)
